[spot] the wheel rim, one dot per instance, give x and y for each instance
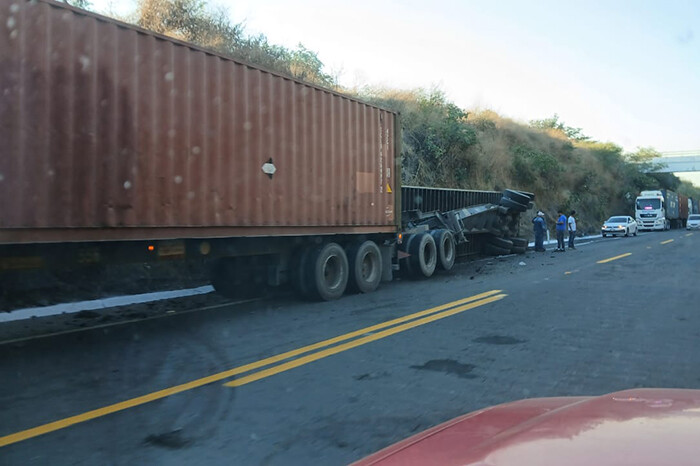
(449, 249)
(429, 254)
(369, 267)
(332, 272)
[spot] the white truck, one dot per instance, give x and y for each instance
(656, 210)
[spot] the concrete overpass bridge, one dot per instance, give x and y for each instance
(677, 162)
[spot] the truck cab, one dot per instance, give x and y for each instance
(650, 211)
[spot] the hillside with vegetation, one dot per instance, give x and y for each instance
(446, 146)
(443, 144)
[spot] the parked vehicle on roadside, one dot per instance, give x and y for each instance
(693, 222)
(619, 225)
(660, 210)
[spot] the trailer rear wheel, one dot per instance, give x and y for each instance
(327, 272)
(513, 205)
(503, 243)
(445, 248)
(519, 245)
(365, 264)
(299, 268)
(423, 252)
(491, 250)
(517, 196)
(519, 242)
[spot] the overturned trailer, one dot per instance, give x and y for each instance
(489, 228)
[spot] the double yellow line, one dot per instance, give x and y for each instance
(413, 320)
(357, 338)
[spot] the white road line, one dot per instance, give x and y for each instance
(566, 239)
(68, 308)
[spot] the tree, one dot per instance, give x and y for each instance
(84, 4)
(306, 65)
(190, 21)
(193, 21)
(438, 140)
(689, 189)
(643, 154)
(575, 134)
(643, 159)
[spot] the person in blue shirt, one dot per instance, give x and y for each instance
(561, 229)
(540, 227)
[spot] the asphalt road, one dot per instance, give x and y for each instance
(255, 392)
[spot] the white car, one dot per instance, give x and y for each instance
(619, 226)
(693, 222)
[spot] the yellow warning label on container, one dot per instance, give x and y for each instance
(388, 188)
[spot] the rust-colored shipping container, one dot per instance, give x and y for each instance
(111, 132)
(683, 209)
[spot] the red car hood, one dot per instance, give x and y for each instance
(632, 427)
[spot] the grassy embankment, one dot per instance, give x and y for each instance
(446, 146)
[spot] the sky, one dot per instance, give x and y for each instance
(623, 71)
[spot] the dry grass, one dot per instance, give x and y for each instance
(590, 177)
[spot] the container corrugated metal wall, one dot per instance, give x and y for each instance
(106, 126)
(672, 211)
(682, 206)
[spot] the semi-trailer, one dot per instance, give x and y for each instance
(657, 210)
(119, 144)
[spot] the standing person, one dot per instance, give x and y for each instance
(540, 227)
(571, 222)
(561, 228)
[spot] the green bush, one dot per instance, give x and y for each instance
(531, 163)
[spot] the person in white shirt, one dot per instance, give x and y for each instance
(571, 222)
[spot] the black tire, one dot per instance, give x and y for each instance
(327, 272)
(519, 242)
(365, 264)
(518, 249)
(513, 205)
(446, 249)
(491, 250)
(516, 196)
(502, 243)
(604, 235)
(530, 195)
(299, 269)
(404, 262)
(635, 232)
(423, 257)
(627, 232)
